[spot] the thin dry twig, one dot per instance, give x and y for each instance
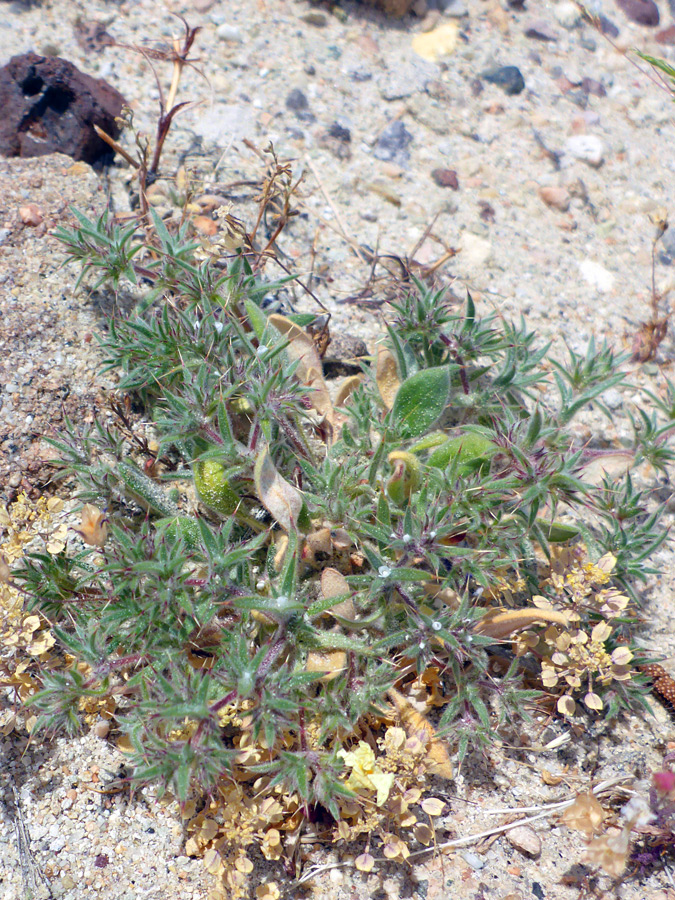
(542, 812)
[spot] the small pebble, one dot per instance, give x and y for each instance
(567, 14)
(455, 9)
(205, 225)
(667, 36)
(540, 31)
(525, 840)
(227, 32)
(597, 276)
(297, 101)
(315, 17)
(30, 215)
(392, 144)
(472, 859)
(586, 147)
(643, 12)
(508, 78)
(446, 178)
(608, 27)
(556, 197)
(612, 398)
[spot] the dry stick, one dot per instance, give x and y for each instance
(336, 213)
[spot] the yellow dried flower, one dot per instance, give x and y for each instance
(93, 526)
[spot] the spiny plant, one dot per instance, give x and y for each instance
(296, 604)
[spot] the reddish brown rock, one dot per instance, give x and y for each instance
(446, 178)
(556, 197)
(49, 106)
(667, 36)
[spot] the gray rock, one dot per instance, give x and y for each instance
(409, 78)
(667, 248)
(392, 145)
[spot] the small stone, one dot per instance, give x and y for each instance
(596, 275)
(446, 178)
(227, 32)
(508, 78)
(607, 26)
(409, 77)
(643, 12)
(475, 251)
(667, 36)
(525, 840)
(472, 859)
(434, 45)
(67, 882)
(315, 17)
(392, 144)
(30, 215)
(297, 101)
(567, 14)
(587, 147)
(591, 86)
(556, 197)
(102, 729)
(613, 399)
(667, 247)
(455, 9)
(203, 6)
(205, 225)
(540, 31)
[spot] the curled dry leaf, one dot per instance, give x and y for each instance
(501, 623)
(303, 348)
(348, 386)
(438, 759)
(386, 376)
(280, 499)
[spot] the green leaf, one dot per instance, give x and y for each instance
(421, 399)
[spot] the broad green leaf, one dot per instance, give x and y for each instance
(421, 399)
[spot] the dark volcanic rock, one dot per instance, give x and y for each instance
(509, 79)
(49, 106)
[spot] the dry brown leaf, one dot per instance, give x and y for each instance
(332, 662)
(280, 499)
(348, 386)
(438, 759)
(501, 623)
(386, 376)
(303, 348)
(334, 584)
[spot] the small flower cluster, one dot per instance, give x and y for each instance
(580, 656)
